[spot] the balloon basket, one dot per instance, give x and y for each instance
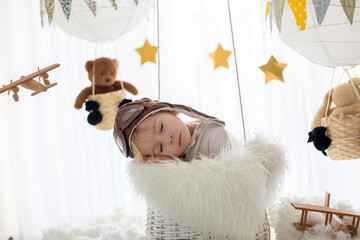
(160, 227)
(109, 104)
(344, 132)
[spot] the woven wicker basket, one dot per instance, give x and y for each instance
(344, 132)
(109, 103)
(163, 228)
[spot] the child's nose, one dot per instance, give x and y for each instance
(170, 139)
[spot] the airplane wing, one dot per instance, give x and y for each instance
(315, 208)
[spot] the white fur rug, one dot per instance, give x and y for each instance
(283, 215)
(223, 196)
(118, 225)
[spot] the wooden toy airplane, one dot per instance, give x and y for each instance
(29, 83)
(333, 216)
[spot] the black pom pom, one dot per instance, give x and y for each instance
(319, 139)
(91, 106)
(125, 101)
(94, 118)
(319, 131)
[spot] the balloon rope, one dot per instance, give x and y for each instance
(237, 73)
(328, 101)
(354, 71)
(93, 72)
(340, 78)
(118, 72)
(158, 39)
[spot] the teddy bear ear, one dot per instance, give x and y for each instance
(116, 62)
(89, 65)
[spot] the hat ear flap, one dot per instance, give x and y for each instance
(322, 110)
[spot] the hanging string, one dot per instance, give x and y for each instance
(328, 101)
(93, 72)
(158, 39)
(347, 72)
(340, 77)
(118, 72)
(237, 72)
(354, 71)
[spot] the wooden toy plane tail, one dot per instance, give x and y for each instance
(333, 216)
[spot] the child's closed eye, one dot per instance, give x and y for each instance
(161, 148)
(161, 127)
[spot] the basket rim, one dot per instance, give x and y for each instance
(158, 226)
(340, 117)
(116, 92)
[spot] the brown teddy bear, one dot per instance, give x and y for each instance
(105, 70)
(346, 100)
(344, 97)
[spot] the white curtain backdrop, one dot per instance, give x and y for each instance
(56, 168)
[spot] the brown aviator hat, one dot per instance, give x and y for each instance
(131, 114)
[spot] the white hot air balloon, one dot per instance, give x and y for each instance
(326, 32)
(105, 23)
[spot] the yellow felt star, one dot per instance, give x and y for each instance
(273, 70)
(220, 57)
(147, 52)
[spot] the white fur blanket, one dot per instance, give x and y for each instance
(118, 225)
(283, 215)
(224, 196)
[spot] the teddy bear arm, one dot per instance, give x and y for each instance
(321, 112)
(81, 97)
(128, 86)
(347, 110)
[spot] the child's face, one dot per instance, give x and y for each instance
(164, 134)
